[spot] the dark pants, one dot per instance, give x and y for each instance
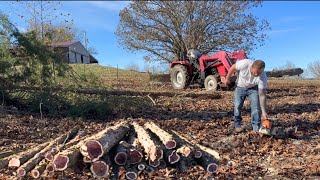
(240, 95)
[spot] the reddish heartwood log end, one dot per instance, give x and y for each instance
(159, 153)
(135, 156)
(212, 168)
(121, 158)
(50, 167)
(39, 169)
(60, 163)
(48, 156)
(197, 154)
(171, 144)
(131, 175)
(35, 173)
(173, 157)
(92, 149)
(141, 167)
(100, 169)
(21, 172)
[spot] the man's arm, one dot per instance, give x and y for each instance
(230, 72)
(263, 102)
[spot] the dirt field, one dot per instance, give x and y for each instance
(294, 106)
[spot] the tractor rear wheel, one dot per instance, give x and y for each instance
(211, 83)
(179, 77)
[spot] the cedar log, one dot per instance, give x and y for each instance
(149, 146)
(31, 163)
(16, 160)
(166, 138)
(99, 144)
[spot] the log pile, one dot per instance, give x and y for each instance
(137, 148)
(285, 72)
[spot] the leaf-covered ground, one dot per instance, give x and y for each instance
(206, 121)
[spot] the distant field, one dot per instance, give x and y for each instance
(97, 76)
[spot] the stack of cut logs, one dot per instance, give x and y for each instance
(137, 148)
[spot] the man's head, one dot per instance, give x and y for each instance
(257, 67)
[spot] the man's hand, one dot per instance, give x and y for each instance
(264, 116)
(227, 81)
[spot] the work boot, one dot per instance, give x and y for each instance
(239, 129)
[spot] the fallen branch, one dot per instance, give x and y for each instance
(213, 95)
(154, 102)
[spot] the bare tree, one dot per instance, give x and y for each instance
(132, 66)
(314, 68)
(287, 65)
(40, 16)
(167, 29)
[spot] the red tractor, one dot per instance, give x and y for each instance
(208, 70)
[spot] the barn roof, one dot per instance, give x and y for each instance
(64, 44)
(93, 59)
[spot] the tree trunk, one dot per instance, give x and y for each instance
(31, 163)
(166, 138)
(97, 145)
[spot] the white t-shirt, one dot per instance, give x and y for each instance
(245, 79)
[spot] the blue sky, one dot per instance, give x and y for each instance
(294, 36)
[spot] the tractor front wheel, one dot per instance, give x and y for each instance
(179, 77)
(211, 83)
